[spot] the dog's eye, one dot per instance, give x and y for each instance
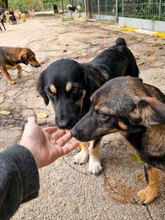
(51, 94)
(101, 115)
(75, 90)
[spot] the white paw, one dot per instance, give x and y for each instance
(81, 157)
(95, 166)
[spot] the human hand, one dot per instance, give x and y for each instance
(47, 144)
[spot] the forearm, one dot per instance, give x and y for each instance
(19, 179)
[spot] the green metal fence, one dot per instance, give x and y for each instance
(147, 9)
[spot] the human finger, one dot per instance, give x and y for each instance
(55, 136)
(63, 140)
(50, 129)
(69, 147)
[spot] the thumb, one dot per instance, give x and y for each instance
(32, 119)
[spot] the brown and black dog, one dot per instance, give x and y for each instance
(137, 110)
(10, 57)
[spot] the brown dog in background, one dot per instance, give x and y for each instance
(137, 111)
(10, 57)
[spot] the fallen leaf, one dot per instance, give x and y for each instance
(160, 48)
(141, 63)
(148, 53)
(42, 115)
(153, 45)
(64, 51)
(3, 112)
(42, 62)
(139, 40)
(128, 39)
(73, 52)
(79, 146)
(136, 159)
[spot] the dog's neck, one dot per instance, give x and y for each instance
(154, 140)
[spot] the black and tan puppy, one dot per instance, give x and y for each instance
(10, 57)
(137, 110)
(69, 85)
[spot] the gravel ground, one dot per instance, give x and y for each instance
(68, 191)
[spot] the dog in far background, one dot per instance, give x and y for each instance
(73, 9)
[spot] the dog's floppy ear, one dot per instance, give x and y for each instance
(23, 58)
(41, 87)
(94, 77)
(148, 111)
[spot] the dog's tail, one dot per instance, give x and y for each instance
(120, 41)
(69, 6)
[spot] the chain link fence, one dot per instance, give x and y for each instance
(146, 9)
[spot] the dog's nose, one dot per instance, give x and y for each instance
(38, 65)
(79, 134)
(73, 133)
(62, 124)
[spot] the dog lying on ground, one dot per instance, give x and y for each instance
(69, 85)
(72, 9)
(10, 57)
(137, 110)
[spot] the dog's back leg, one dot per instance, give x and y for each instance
(5, 73)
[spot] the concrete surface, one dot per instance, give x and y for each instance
(68, 191)
(158, 26)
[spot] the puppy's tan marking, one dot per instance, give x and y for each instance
(122, 125)
(53, 89)
(96, 107)
(68, 86)
(80, 101)
(84, 93)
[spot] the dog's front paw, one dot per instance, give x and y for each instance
(12, 82)
(81, 157)
(95, 166)
(146, 196)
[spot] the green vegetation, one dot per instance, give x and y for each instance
(30, 4)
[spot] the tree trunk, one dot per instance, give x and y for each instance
(5, 4)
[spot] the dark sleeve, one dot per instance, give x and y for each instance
(19, 179)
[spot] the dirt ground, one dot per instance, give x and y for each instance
(68, 191)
